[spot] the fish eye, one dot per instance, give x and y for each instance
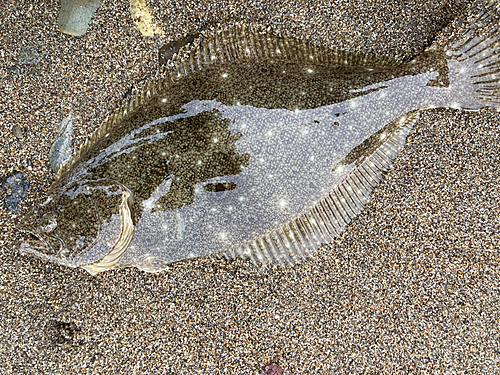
(49, 226)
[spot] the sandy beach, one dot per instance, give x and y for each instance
(412, 285)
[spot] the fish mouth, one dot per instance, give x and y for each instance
(36, 243)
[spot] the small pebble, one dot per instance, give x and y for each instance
(28, 55)
(168, 50)
(17, 131)
(272, 369)
(14, 69)
(15, 187)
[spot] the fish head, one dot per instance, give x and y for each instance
(81, 224)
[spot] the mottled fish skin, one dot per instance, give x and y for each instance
(257, 146)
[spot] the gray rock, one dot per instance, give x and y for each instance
(28, 55)
(17, 131)
(61, 149)
(75, 15)
(15, 187)
(14, 69)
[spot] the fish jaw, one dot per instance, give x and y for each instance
(44, 243)
(39, 247)
(36, 241)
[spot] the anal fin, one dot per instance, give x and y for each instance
(300, 238)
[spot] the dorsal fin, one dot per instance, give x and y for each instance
(246, 42)
(222, 47)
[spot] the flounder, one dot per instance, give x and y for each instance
(253, 146)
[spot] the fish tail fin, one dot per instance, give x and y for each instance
(474, 58)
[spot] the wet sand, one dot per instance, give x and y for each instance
(413, 285)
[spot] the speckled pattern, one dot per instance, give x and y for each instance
(413, 284)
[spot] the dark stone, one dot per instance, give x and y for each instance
(15, 187)
(14, 69)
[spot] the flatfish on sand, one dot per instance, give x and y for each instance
(253, 146)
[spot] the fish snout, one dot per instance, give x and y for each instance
(36, 242)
